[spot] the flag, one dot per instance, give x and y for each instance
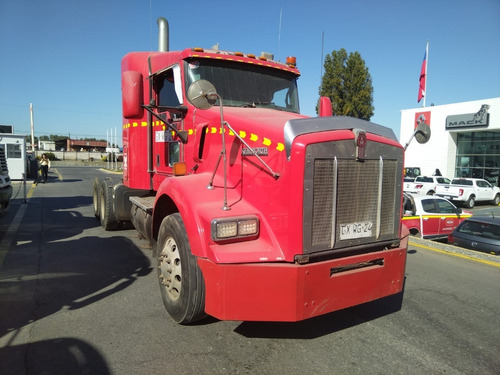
(423, 76)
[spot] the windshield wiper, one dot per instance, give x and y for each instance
(264, 104)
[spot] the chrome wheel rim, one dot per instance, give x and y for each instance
(170, 268)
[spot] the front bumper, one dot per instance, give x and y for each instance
(292, 292)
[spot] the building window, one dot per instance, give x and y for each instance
(478, 156)
(14, 151)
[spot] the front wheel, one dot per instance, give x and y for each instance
(181, 281)
(496, 200)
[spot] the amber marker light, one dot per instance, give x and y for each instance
(291, 61)
(179, 169)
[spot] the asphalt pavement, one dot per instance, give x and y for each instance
(22, 191)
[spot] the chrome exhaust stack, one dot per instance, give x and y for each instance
(162, 35)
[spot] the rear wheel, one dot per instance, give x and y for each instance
(180, 278)
(470, 202)
(107, 215)
(96, 197)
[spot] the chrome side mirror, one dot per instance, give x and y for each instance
(202, 94)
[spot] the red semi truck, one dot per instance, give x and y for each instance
(254, 211)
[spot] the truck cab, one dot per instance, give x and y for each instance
(253, 210)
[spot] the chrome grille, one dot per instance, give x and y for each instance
(322, 201)
(340, 190)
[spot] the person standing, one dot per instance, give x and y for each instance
(45, 165)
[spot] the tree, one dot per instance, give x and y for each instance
(58, 138)
(348, 84)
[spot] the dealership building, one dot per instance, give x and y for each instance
(465, 139)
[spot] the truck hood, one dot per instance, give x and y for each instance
(272, 126)
(262, 122)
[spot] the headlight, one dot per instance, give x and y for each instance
(239, 227)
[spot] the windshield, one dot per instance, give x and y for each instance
(246, 85)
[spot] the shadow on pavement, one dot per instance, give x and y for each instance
(57, 356)
(325, 324)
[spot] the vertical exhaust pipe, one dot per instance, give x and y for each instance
(162, 35)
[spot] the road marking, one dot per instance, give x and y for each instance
(32, 189)
(11, 231)
(494, 264)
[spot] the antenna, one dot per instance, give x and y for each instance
(279, 37)
(322, 45)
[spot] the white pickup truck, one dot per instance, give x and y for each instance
(424, 185)
(469, 191)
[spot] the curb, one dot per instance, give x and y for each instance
(459, 251)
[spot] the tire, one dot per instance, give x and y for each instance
(96, 197)
(470, 202)
(181, 281)
(107, 215)
(496, 200)
(430, 192)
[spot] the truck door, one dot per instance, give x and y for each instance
(168, 96)
(484, 191)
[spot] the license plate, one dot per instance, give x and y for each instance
(356, 230)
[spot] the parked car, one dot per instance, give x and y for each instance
(480, 233)
(469, 191)
(425, 185)
(431, 217)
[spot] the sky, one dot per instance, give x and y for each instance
(64, 56)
